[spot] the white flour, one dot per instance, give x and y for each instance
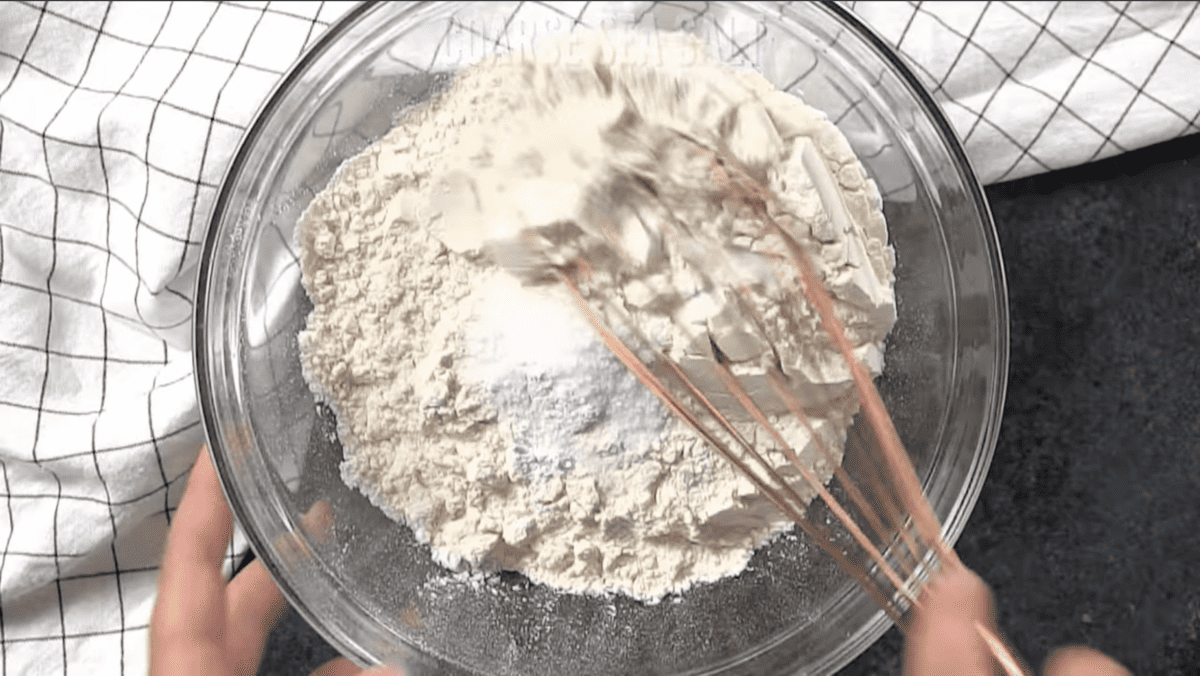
(485, 413)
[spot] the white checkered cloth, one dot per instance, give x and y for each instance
(116, 124)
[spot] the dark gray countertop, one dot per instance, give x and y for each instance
(1087, 525)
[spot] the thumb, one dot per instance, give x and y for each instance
(943, 639)
(1080, 661)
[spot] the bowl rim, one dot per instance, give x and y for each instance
(981, 460)
(953, 528)
(201, 364)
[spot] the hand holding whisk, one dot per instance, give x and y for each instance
(899, 536)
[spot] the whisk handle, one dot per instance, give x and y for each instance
(1009, 662)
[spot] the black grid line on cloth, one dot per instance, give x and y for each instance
(558, 11)
(1024, 147)
(802, 76)
(579, 17)
(274, 9)
(437, 49)
(969, 40)
(109, 573)
(285, 242)
(738, 49)
(138, 97)
(854, 101)
(104, 338)
(166, 48)
(47, 555)
(87, 357)
(46, 374)
(25, 53)
(176, 381)
(62, 620)
(137, 232)
(696, 13)
(1061, 103)
(121, 447)
(1121, 14)
(12, 529)
(50, 294)
(503, 36)
(270, 335)
(979, 116)
(877, 152)
(95, 452)
(908, 25)
(122, 151)
(2, 130)
(76, 635)
(91, 245)
(90, 303)
(1131, 19)
(313, 22)
(154, 442)
(116, 259)
(1008, 77)
(48, 409)
(8, 501)
(453, 24)
(1141, 88)
(208, 134)
(1177, 45)
(117, 201)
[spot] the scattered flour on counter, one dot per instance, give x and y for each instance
(485, 413)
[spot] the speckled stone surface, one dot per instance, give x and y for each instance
(1087, 525)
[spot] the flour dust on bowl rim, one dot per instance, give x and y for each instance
(363, 581)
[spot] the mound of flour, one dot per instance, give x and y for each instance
(483, 412)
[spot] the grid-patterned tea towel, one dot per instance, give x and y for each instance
(116, 124)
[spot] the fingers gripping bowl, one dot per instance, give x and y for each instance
(365, 582)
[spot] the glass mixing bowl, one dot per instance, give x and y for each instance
(362, 580)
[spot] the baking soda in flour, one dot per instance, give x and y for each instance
(481, 409)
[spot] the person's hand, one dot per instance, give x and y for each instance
(944, 640)
(200, 624)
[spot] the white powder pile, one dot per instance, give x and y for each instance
(481, 409)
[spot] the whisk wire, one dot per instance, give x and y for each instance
(851, 487)
(728, 171)
(913, 541)
(733, 176)
(774, 487)
(907, 551)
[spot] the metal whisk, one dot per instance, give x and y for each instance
(899, 534)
